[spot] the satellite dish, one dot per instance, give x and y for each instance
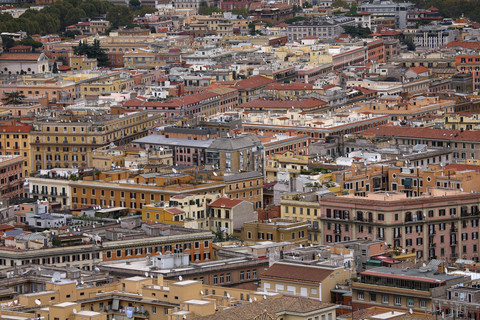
(215, 174)
(74, 310)
(264, 297)
(81, 282)
(96, 269)
(15, 301)
(410, 311)
(56, 277)
(184, 317)
(250, 300)
(228, 295)
(9, 303)
(180, 278)
(38, 302)
(146, 274)
(255, 298)
(201, 292)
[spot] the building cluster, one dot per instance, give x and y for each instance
(270, 160)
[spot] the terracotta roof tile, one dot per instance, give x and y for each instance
(225, 203)
(297, 273)
(253, 82)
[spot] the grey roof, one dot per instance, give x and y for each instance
(417, 273)
(14, 233)
(158, 139)
(236, 143)
(32, 237)
(242, 176)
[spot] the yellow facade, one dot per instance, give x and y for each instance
(82, 63)
(142, 60)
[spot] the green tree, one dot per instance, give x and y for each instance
(13, 97)
(55, 67)
(31, 42)
(74, 16)
(119, 16)
(241, 12)
(340, 4)
(93, 51)
(307, 4)
(7, 42)
(135, 4)
(353, 9)
(408, 41)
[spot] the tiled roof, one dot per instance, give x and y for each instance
(253, 82)
(464, 44)
(225, 203)
(462, 167)
(280, 104)
(297, 273)
(419, 69)
(425, 133)
(15, 128)
(6, 227)
(289, 86)
(260, 310)
(20, 56)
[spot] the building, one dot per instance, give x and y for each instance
(236, 153)
(322, 28)
(80, 135)
(226, 215)
(386, 9)
(286, 161)
(245, 185)
(21, 60)
(432, 37)
(298, 307)
(153, 240)
(441, 224)
(469, 63)
(15, 140)
(276, 230)
(12, 176)
(312, 281)
(403, 289)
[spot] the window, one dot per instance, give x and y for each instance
(398, 301)
(385, 299)
(410, 302)
(360, 295)
(423, 303)
(242, 275)
(373, 297)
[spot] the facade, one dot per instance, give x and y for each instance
(12, 176)
(312, 281)
(226, 215)
(432, 37)
(79, 136)
(386, 9)
(245, 185)
(324, 29)
(15, 140)
(402, 289)
(276, 230)
(441, 224)
(23, 63)
(469, 64)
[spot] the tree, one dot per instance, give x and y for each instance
(241, 12)
(307, 4)
(135, 4)
(93, 51)
(7, 42)
(30, 42)
(119, 16)
(13, 97)
(55, 68)
(353, 9)
(357, 31)
(340, 4)
(408, 41)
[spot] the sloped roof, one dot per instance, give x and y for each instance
(297, 273)
(226, 203)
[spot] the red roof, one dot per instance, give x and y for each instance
(425, 133)
(401, 276)
(280, 104)
(253, 82)
(64, 68)
(289, 86)
(464, 44)
(22, 128)
(297, 273)
(225, 203)
(20, 56)
(419, 69)
(364, 13)
(462, 167)
(4, 227)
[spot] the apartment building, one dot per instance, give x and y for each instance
(245, 185)
(12, 176)
(404, 289)
(325, 29)
(117, 188)
(469, 63)
(413, 179)
(68, 141)
(153, 241)
(464, 144)
(15, 140)
(276, 230)
(312, 281)
(226, 215)
(286, 161)
(442, 224)
(432, 37)
(386, 9)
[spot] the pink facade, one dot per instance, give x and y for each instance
(11, 176)
(435, 226)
